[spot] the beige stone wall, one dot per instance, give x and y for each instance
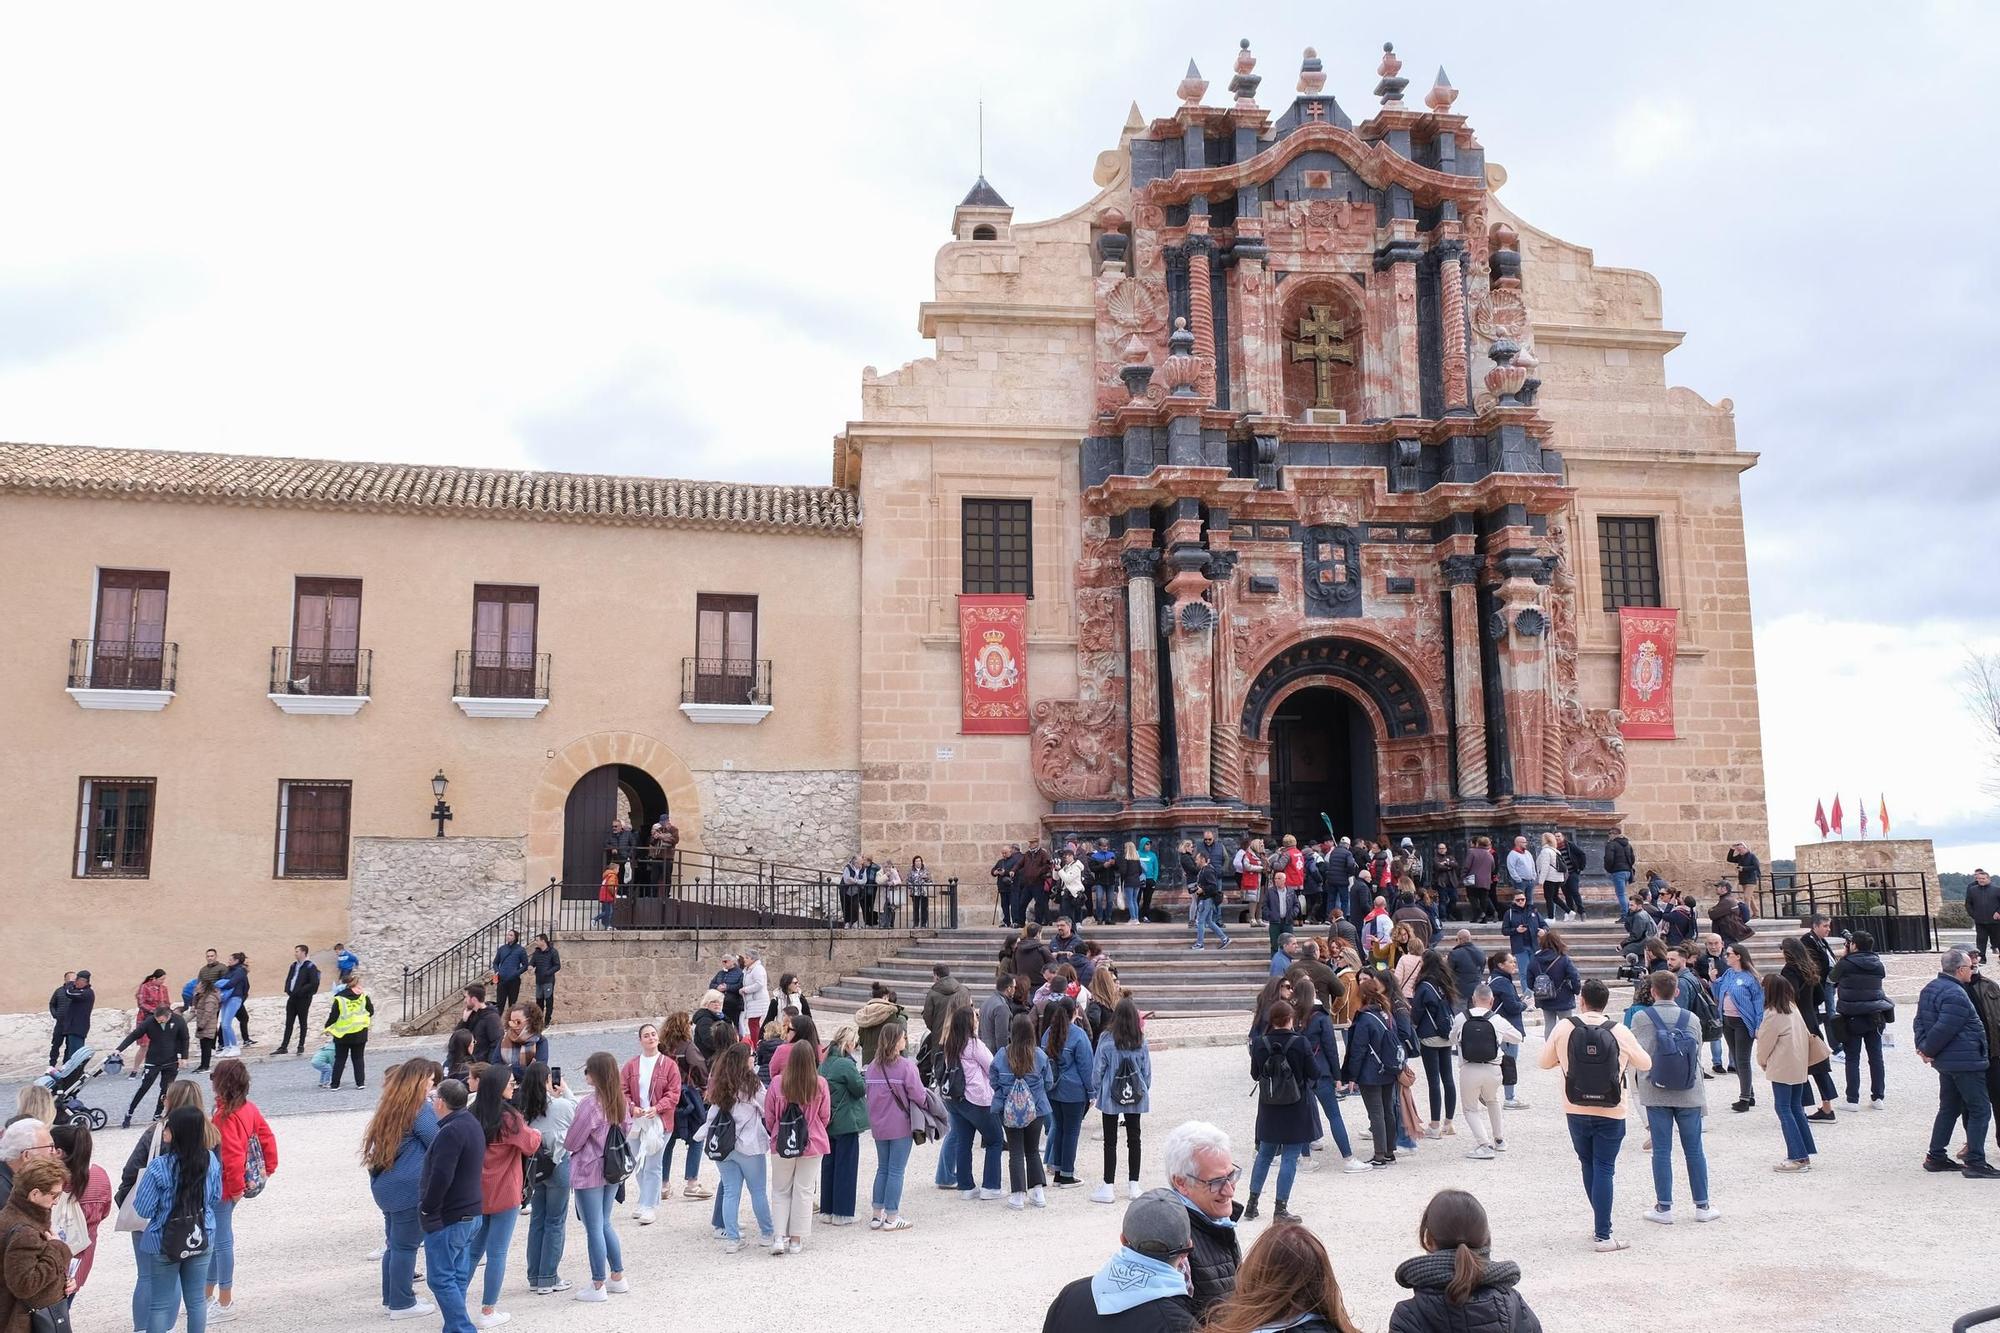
(617, 617)
(799, 817)
(399, 884)
(1871, 856)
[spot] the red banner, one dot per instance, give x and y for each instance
(993, 667)
(1646, 671)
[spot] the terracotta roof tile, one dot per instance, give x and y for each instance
(415, 488)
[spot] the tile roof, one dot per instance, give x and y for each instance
(406, 488)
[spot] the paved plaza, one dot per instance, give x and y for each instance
(1866, 1241)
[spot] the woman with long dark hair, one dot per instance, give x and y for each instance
(183, 1184)
(677, 1039)
(1785, 1052)
(1121, 1077)
(1021, 1078)
(458, 1056)
(735, 1095)
(588, 1131)
(1455, 1283)
(239, 1122)
(1286, 1283)
(1371, 1063)
(1281, 1063)
(509, 1144)
(1434, 1003)
(1068, 1049)
(1802, 970)
(89, 1191)
(797, 1110)
(1740, 996)
(970, 1101)
(549, 1110)
(393, 1146)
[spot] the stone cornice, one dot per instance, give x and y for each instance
(1376, 163)
(931, 313)
(1608, 335)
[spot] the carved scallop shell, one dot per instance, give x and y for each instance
(1136, 306)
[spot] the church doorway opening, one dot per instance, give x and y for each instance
(1322, 764)
(614, 791)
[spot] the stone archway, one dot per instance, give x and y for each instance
(586, 753)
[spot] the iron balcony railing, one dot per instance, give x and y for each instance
(322, 671)
(122, 664)
(491, 675)
(1893, 906)
(715, 680)
(434, 983)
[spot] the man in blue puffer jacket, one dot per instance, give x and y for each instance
(1952, 1040)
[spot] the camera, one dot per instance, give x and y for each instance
(1628, 971)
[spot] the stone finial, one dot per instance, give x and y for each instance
(1182, 370)
(1390, 89)
(1193, 86)
(1504, 258)
(1181, 341)
(1134, 121)
(1442, 94)
(1312, 74)
(1504, 381)
(1244, 85)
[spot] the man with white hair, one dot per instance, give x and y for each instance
(25, 1140)
(1203, 1175)
(756, 993)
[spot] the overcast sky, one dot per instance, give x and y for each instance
(665, 239)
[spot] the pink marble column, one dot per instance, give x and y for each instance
(1143, 665)
(1451, 281)
(1468, 681)
(1191, 643)
(1524, 674)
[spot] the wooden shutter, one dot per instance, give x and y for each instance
(725, 647)
(131, 629)
(326, 634)
(503, 641)
(312, 829)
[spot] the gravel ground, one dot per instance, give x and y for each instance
(1865, 1241)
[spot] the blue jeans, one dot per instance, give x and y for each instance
(651, 1170)
(1207, 917)
(1101, 901)
(548, 1205)
(891, 1157)
(838, 1171)
(741, 1171)
(1068, 1129)
(170, 1286)
(693, 1159)
(593, 1206)
(222, 1254)
(142, 1300)
(604, 916)
(495, 1234)
(226, 1035)
(1596, 1139)
(1661, 1122)
(1324, 1090)
(947, 1163)
(444, 1271)
(1510, 1057)
(1619, 880)
(1962, 1094)
(1288, 1167)
(968, 1119)
(1791, 1100)
(402, 1234)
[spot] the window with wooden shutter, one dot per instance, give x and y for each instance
(131, 629)
(115, 828)
(725, 648)
(312, 829)
(503, 641)
(326, 635)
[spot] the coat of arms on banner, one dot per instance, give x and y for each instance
(994, 668)
(1649, 673)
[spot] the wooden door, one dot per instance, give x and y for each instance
(131, 629)
(503, 641)
(326, 635)
(725, 667)
(587, 816)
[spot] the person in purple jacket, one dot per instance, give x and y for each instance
(896, 1098)
(588, 1130)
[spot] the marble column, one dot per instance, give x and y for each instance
(1142, 670)
(1201, 307)
(1520, 625)
(1191, 644)
(1451, 323)
(1228, 751)
(1468, 684)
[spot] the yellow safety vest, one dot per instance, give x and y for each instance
(354, 1016)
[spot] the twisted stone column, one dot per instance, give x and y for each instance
(1201, 308)
(1451, 285)
(1468, 681)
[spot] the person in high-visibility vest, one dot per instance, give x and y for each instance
(347, 1022)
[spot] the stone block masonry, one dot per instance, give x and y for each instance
(806, 817)
(414, 897)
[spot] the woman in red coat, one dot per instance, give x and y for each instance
(652, 1082)
(241, 1125)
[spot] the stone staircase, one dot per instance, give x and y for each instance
(1168, 977)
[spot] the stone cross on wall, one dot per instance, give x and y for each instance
(1322, 341)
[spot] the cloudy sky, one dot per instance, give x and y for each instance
(666, 238)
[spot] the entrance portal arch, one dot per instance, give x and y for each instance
(548, 837)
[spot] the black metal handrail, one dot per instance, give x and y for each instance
(435, 981)
(1894, 906)
(343, 672)
(716, 680)
(122, 664)
(479, 674)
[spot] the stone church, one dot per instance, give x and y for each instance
(1326, 478)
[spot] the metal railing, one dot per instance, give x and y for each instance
(478, 674)
(345, 672)
(435, 982)
(714, 680)
(1893, 906)
(122, 664)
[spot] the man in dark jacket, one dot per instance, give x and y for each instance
(1031, 956)
(483, 1021)
(1952, 1040)
(1619, 863)
(1524, 927)
(510, 960)
(1003, 873)
(1064, 944)
(545, 961)
(301, 984)
(1819, 927)
(1143, 1287)
(1203, 1174)
(995, 1016)
(58, 1001)
(1985, 993)
(73, 1022)
(938, 999)
(1468, 966)
(166, 1036)
(449, 1201)
(1749, 871)
(1031, 883)
(1982, 904)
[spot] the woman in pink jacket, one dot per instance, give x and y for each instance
(652, 1083)
(797, 1108)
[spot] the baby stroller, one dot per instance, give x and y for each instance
(64, 1083)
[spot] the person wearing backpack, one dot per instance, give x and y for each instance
(1068, 1047)
(1503, 970)
(1021, 1076)
(1281, 1062)
(1121, 1075)
(1371, 1064)
(1554, 981)
(249, 1154)
(1480, 1034)
(1594, 1050)
(1740, 996)
(966, 1085)
(1323, 1042)
(1434, 999)
(735, 1137)
(798, 1108)
(178, 1196)
(600, 1157)
(1673, 1097)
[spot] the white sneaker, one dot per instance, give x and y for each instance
(1356, 1165)
(1017, 1201)
(1499, 1145)
(778, 1246)
(1132, 1190)
(1482, 1154)
(1875, 1104)
(1037, 1197)
(221, 1314)
(794, 1247)
(421, 1310)
(618, 1286)
(987, 1196)
(590, 1294)
(732, 1247)
(1102, 1194)
(1664, 1216)
(494, 1320)
(637, 1212)
(647, 1217)
(1612, 1246)
(1850, 1106)
(1521, 1105)
(375, 1255)
(1707, 1214)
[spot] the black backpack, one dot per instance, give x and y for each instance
(1705, 1012)
(1280, 1084)
(1126, 1089)
(792, 1136)
(720, 1141)
(1478, 1040)
(619, 1159)
(1592, 1076)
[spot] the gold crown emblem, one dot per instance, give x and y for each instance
(996, 637)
